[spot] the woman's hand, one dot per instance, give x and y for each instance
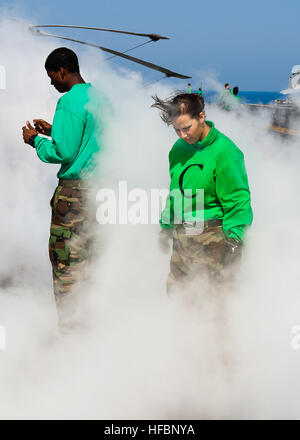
(233, 251)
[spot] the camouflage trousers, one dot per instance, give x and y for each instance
(202, 277)
(70, 241)
(195, 256)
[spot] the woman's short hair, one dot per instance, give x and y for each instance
(182, 104)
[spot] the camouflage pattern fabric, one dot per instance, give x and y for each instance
(197, 255)
(69, 244)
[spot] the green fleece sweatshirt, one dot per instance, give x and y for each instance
(76, 133)
(215, 165)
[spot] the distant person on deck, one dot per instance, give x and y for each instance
(226, 93)
(233, 101)
(235, 92)
(190, 90)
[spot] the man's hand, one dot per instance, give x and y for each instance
(42, 127)
(163, 240)
(28, 131)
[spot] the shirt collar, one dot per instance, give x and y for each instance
(209, 139)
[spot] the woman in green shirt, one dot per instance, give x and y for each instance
(208, 208)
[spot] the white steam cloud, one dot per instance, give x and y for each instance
(140, 355)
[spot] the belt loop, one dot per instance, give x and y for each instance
(193, 227)
(74, 183)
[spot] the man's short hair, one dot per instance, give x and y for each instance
(62, 57)
(226, 85)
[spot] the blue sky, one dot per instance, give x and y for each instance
(251, 44)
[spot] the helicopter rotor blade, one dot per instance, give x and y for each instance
(153, 37)
(167, 72)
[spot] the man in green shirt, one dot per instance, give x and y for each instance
(76, 138)
(206, 238)
(224, 96)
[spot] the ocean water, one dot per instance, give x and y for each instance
(260, 97)
(247, 97)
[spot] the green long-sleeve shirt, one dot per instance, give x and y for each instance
(215, 165)
(76, 133)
